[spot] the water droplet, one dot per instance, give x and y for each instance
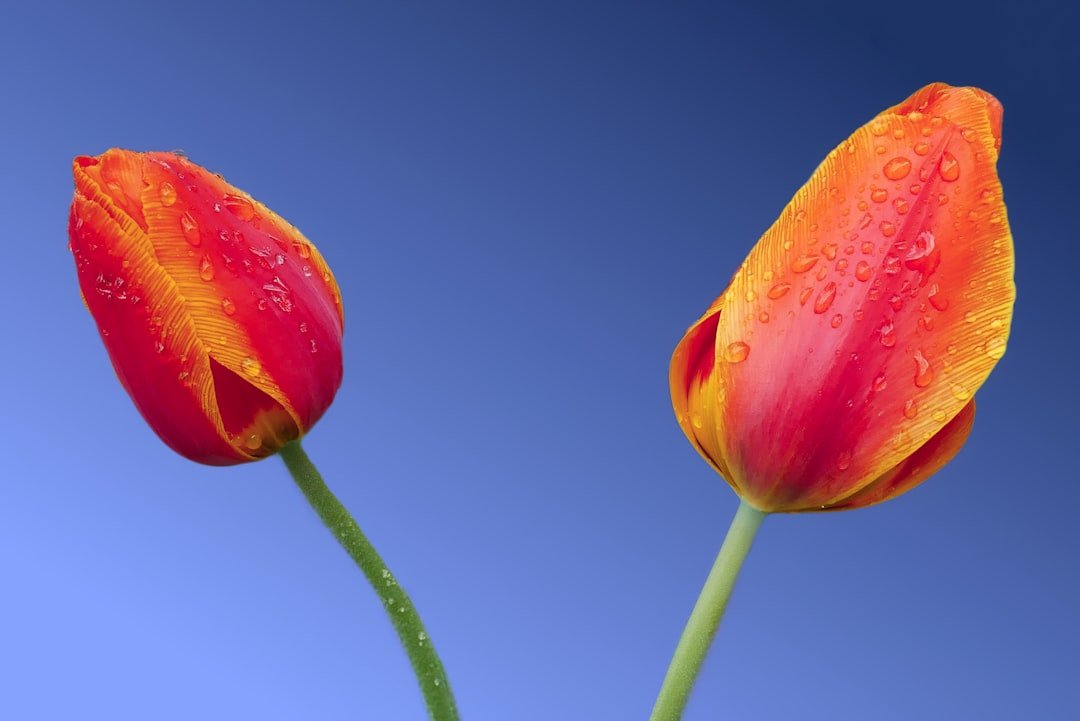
(825, 298)
(253, 442)
(804, 295)
(922, 148)
(206, 269)
(763, 317)
(897, 168)
(863, 271)
(934, 296)
(949, 168)
(736, 352)
(892, 264)
(836, 320)
(888, 335)
(901, 206)
(879, 383)
(159, 347)
(167, 193)
(924, 374)
(968, 134)
(960, 392)
(190, 229)
(896, 302)
(779, 290)
(843, 461)
(995, 347)
(911, 409)
(261, 305)
(829, 249)
(879, 195)
(303, 326)
(250, 366)
(228, 306)
(239, 206)
(751, 295)
(314, 347)
(804, 263)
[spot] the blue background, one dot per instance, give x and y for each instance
(525, 207)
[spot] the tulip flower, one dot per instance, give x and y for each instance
(838, 368)
(224, 324)
(222, 321)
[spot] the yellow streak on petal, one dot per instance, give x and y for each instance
(215, 333)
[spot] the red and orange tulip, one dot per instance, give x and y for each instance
(222, 321)
(838, 367)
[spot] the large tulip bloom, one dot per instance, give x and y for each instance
(838, 368)
(222, 321)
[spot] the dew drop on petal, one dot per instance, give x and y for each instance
(879, 195)
(253, 442)
(995, 348)
(825, 298)
(863, 271)
(167, 193)
(250, 366)
(922, 148)
(911, 409)
(949, 168)
(934, 296)
(888, 335)
(239, 206)
(897, 168)
(924, 374)
(804, 263)
(779, 290)
(228, 306)
(836, 320)
(843, 461)
(736, 352)
(206, 269)
(879, 383)
(190, 229)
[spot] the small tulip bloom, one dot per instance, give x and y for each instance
(224, 326)
(222, 321)
(838, 368)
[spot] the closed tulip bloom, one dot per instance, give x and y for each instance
(839, 366)
(222, 321)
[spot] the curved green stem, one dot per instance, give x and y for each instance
(705, 618)
(410, 629)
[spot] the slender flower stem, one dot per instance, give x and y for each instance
(410, 629)
(705, 618)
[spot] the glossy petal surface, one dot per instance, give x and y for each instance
(222, 321)
(866, 317)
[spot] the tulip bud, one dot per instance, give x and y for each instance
(838, 368)
(222, 321)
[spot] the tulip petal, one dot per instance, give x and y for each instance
(694, 385)
(139, 316)
(916, 468)
(872, 310)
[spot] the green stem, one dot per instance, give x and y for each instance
(410, 629)
(705, 618)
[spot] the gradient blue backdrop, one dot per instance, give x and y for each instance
(525, 207)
